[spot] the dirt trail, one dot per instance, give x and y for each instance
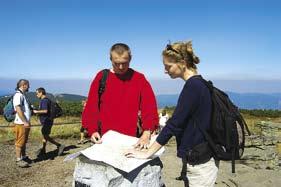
(54, 172)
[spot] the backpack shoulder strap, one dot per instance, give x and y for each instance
(102, 84)
(50, 103)
(209, 83)
(49, 100)
(206, 135)
(101, 90)
(11, 98)
(23, 97)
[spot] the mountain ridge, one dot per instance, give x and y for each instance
(242, 100)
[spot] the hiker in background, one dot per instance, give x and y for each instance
(46, 121)
(22, 122)
(199, 166)
(83, 131)
(163, 118)
(126, 92)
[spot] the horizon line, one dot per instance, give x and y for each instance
(151, 78)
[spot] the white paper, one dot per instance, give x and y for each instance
(112, 149)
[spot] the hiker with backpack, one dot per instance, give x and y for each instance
(115, 98)
(46, 119)
(194, 103)
(22, 124)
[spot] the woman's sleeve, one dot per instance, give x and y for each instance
(186, 105)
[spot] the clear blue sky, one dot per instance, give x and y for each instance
(67, 39)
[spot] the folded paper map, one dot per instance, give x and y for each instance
(111, 151)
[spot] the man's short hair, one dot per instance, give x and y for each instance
(21, 82)
(41, 90)
(120, 48)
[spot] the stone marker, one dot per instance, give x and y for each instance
(89, 173)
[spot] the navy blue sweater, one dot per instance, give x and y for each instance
(194, 103)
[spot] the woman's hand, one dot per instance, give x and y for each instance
(144, 153)
(133, 153)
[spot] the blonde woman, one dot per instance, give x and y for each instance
(194, 104)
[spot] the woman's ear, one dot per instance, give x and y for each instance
(182, 64)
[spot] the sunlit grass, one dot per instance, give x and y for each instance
(70, 128)
(60, 131)
(252, 122)
(35, 120)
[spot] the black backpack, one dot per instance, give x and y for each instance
(55, 109)
(226, 135)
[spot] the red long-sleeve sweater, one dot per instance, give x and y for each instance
(123, 97)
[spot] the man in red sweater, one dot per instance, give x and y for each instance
(126, 93)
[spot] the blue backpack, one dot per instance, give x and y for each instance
(9, 112)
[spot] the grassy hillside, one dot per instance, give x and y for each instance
(252, 117)
(72, 113)
(65, 127)
(70, 97)
(70, 126)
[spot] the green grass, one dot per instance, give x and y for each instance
(71, 129)
(59, 131)
(251, 120)
(35, 120)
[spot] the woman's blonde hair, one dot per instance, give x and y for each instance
(182, 51)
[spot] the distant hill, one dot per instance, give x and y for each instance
(256, 100)
(4, 92)
(70, 97)
(167, 100)
(58, 97)
(242, 100)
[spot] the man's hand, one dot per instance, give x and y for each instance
(144, 141)
(26, 124)
(40, 111)
(96, 138)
